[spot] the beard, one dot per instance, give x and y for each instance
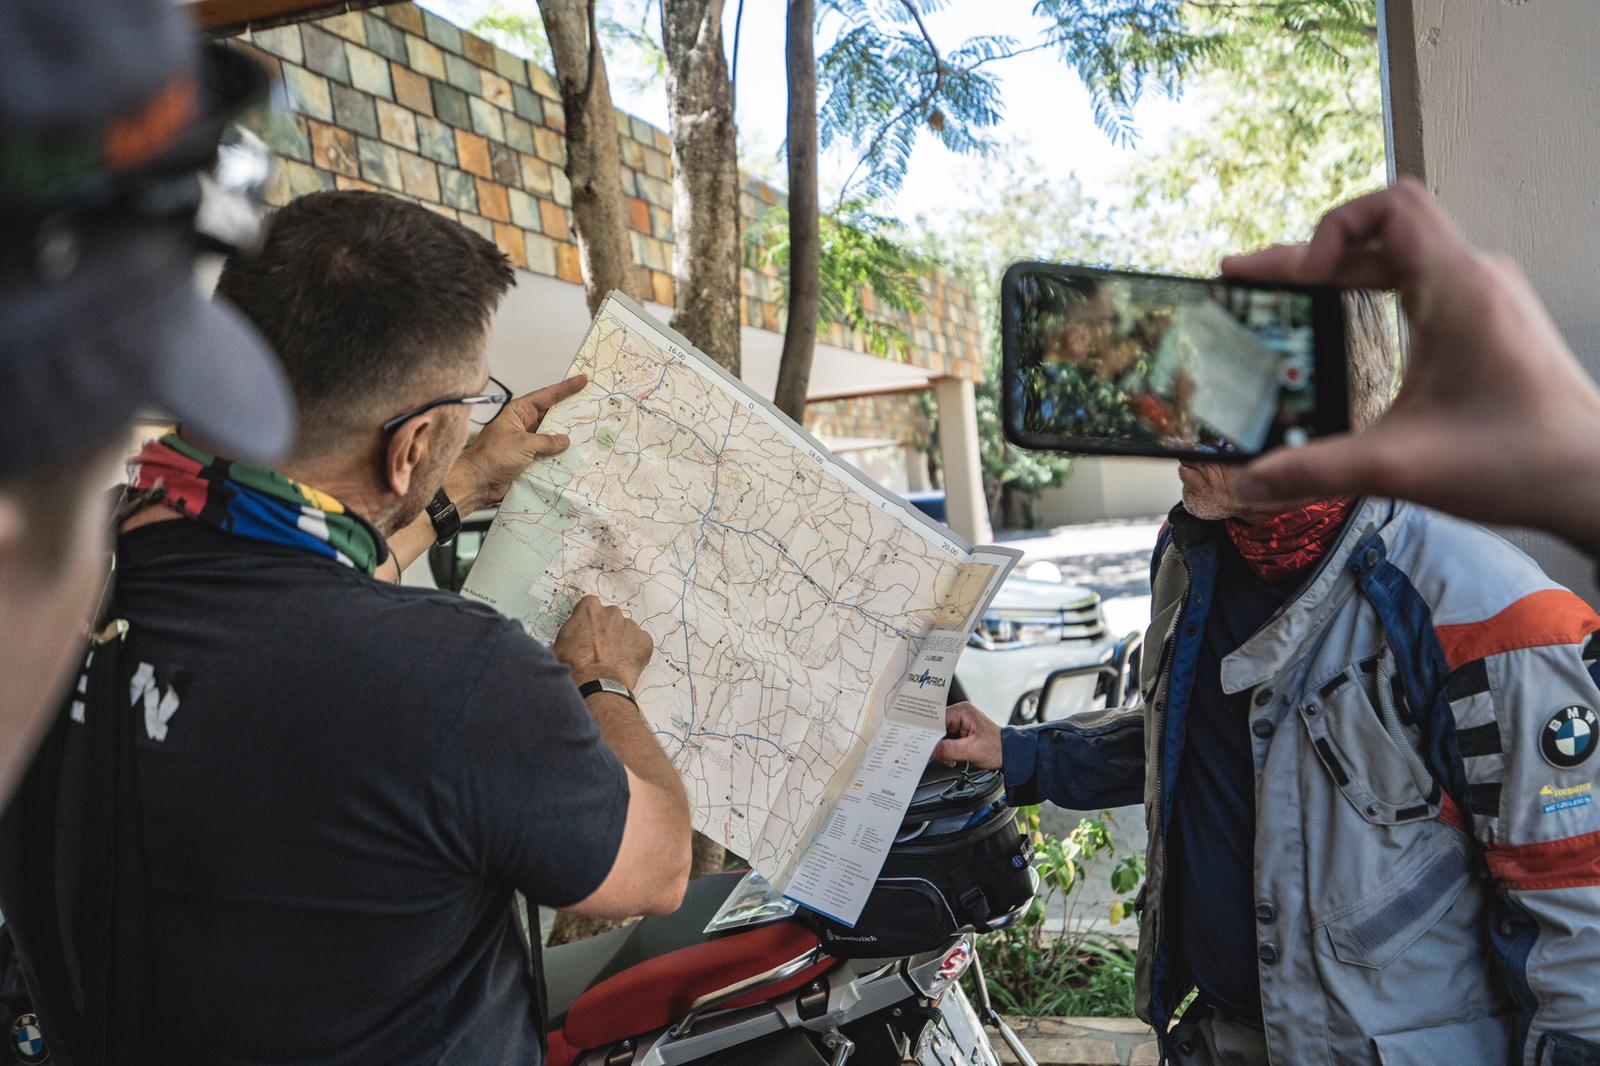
(1206, 492)
(425, 481)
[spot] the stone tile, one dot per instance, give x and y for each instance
(411, 89)
(324, 52)
(472, 154)
(458, 189)
(272, 63)
(486, 118)
(385, 39)
(340, 181)
(436, 140)
(555, 115)
(479, 225)
(568, 265)
(641, 278)
(477, 49)
(1146, 1054)
(541, 253)
(290, 139)
(380, 163)
(632, 153)
(510, 241)
(663, 142)
(524, 209)
(307, 92)
(497, 91)
(769, 322)
(657, 255)
(561, 187)
(441, 209)
(503, 161)
(519, 133)
(397, 126)
(660, 223)
(281, 41)
(642, 131)
(661, 288)
(353, 110)
(277, 191)
(630, 182)
(492, 201)
(655, 164)
(407, 16)
(349, 25)
(542, 82)
(369, 71)
(303, 179)
(424, 58)
(638, 214)
(510, 67)
(450, 104)
(636, 246)
(526, 104)
(536, 175)
(553, 221)
(419, 177)
(334, 149)
(549, 146)
(463, 74)
(441, 33)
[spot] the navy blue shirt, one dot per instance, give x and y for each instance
(1211, 844)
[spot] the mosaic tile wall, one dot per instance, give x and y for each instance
(395, 98)
(899, 417)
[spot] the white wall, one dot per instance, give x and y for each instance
(1101, 489)
(1496, 105)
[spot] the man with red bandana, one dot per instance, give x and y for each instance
(1365, 753)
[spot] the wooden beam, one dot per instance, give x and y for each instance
(221, 18)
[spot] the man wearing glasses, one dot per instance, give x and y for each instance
(342, 782)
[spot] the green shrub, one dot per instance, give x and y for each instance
(1036, 967)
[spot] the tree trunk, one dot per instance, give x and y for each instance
(705, 179)
(805, 240)
(594, 163)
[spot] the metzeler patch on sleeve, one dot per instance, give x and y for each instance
(1568, 738)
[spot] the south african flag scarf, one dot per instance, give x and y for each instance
(252, 501)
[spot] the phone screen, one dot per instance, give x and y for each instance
(1103, 361)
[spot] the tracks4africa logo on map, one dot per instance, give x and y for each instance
(924, 679)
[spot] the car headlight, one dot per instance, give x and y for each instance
(1015, 629)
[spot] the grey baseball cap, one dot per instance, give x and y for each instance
(108, 108)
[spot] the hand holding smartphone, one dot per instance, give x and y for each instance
(1120, 363)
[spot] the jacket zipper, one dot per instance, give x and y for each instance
(1163, 685)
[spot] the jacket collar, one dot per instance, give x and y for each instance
(1278, 643)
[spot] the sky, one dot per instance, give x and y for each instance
(1047, 110)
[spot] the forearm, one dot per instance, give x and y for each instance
(411, 542)
(626, 733)
(1077, 765)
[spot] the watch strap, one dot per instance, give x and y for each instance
(605, 684)
(445, 518)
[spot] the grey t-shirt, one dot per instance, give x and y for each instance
(353, 779)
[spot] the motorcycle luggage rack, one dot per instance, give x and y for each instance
(713, 1000)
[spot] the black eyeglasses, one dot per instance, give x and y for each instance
(497, 399)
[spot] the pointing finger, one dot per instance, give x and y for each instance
(533, 406)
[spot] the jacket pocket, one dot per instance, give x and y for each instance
(1404, 907)
(1356, 729)
(1477, 1042)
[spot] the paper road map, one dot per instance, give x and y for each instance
(806, 622)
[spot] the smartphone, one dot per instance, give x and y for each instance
(1117, 363)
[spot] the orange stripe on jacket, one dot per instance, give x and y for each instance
(1553, 616)
(1570, 863)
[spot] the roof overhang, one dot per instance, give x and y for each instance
(231, 16)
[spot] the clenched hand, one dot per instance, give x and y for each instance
(600, 641)
(970, 736)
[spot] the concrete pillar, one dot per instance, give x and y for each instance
(1495, 106)
(964, 505)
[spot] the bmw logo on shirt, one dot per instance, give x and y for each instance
(1569, 737)
(27, 1043)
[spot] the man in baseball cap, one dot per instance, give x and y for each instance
(110, 110)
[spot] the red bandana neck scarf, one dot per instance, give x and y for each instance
(1286, 547)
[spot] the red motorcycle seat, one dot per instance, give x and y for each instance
(660, 991)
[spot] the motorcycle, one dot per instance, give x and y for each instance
(740, 976)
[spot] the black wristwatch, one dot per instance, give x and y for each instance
(445, 518)
(605, 684)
